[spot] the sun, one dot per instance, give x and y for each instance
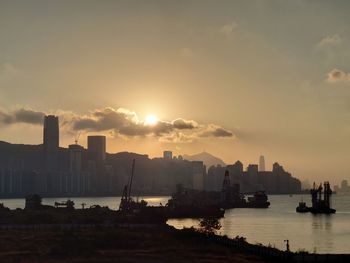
(151, 120)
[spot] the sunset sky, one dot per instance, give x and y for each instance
(234, 78)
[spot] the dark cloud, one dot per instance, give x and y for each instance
(221, 132)
(184, 124)
(120, 122)
(100, 120)
(213, 130)
(127, 123)
(22, 115)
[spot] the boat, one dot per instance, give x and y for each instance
(139, 211)
(319, 205)
(189, 203)
(232, 198)
(258, 200)
(302, 208)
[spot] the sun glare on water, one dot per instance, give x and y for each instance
(151, 120)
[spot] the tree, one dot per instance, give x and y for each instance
(209, 226)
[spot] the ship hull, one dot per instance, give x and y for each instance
(322, 211)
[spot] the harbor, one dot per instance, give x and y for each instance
(313, 233)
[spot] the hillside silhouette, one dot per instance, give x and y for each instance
(207, 158)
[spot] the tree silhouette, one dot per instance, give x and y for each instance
(209, 226)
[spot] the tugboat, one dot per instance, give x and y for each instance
(302, 208)
(258, 200)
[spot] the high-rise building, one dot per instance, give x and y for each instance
(51, 142)
(197, 175)
(51, 133)
(262, 163)
(96, 181)
(252, 169)
(167, 155)
(97, 148)
(77, 178)
(75, 158)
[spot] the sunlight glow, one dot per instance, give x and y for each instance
(151, 120)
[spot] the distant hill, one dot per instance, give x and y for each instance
(207, 158)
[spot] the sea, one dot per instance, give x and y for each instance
(271, 227)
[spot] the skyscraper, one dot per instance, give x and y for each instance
(96, 163)
(262, 163)
(75, 158)
(51, 133)
(51, 142)
(77, 179)
(97, 148)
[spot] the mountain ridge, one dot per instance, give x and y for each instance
(207, 158)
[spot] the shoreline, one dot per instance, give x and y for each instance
(155, 240)
(120, 195)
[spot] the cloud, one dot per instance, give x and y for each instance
(213, 130)
(228, 29)
(22, 115)
(184, 124)
(336, 75)
(329, 41)
(120, 122)
(126, 123)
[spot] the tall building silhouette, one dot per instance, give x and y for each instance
(97, 148)
(51, 133)
(262, 163)
(75, 158)
(96, 163)
(77, 180)
(51, 142)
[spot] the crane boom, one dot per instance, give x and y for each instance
(131, 178)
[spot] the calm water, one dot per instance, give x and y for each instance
(320, 233)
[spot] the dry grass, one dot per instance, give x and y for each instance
(113, 245)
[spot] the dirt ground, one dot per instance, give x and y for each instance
(112, 245)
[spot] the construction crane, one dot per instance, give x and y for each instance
(127, 203)
(131, 178)
(77, 137)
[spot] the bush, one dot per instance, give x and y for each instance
(209, 226)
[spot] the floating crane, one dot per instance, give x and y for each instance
(127, 203)
(319, 205)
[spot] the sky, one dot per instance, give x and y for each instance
(238, 79)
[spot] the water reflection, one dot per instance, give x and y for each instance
(322, 232)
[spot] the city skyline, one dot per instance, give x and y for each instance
(51, 170)
(184, 77)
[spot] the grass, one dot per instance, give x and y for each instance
(160, 244)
